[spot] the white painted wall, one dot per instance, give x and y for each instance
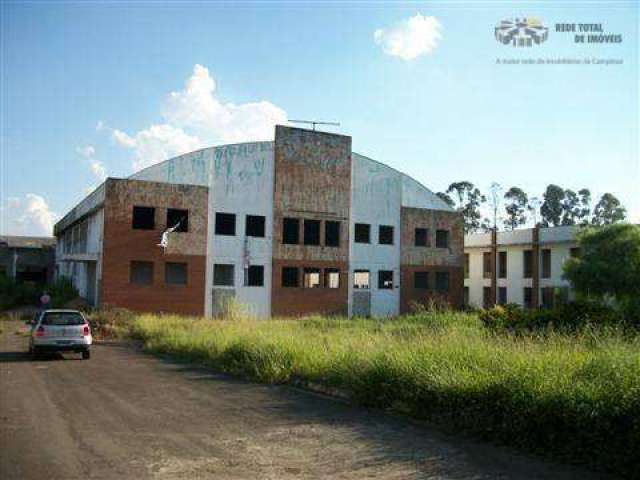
(375, 199)
(476, 282)
(241, 182)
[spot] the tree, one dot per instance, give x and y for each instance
(552, 206)
(494, 201)
(608, 210)
(585, 206)
(468, 199)
(609, 262)
(533, 207)
(570, 207)
(446, 199)
(516, 207)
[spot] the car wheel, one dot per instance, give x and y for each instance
(86, 355)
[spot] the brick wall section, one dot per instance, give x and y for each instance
(312, 181)
(122, 244)
(430, 259)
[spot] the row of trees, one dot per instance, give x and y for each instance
(514, 208)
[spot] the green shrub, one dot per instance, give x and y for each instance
(61, 291)
(15, 294)
(570, 317)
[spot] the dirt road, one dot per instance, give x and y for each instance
(126, 415)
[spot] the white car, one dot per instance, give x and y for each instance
(60, 331)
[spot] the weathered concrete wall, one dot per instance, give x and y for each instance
(123, 244)
(431, 259)
(241, 182)
(375, 200)
(312, 180)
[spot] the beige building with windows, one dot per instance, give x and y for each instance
(520, 266)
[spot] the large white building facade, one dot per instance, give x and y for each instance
(521, 266)
(293, 226)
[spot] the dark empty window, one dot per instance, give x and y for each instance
(502, 295)
(442, 238)
(527, 260)
(254, 226)
(311, 278)
(361, 279)
(421, 280)
(421, 237)
(254, 276)
(546, 263)
(362, 233)
(141, 273)
(385, 279)
(487, 302)
(465, 296)
(502, 264)
(144, 218)
(291, 231)
(223, 275)
(332, 234)
(225, 223)
(442, 282)
(547, 297)
(289, 277)
(175, 273)
(466, 265)
(331, 278)
(178, 218)
(487, 265)
(385, 235)
(312, 232)
(528, 297)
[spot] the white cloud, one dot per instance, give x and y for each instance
(194, 118)
(156, 143)
(28, 216)
(87, 151)
(410, 38)
(97, 167)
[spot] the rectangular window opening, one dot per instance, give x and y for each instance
(442, 282)
(502, 295)
(141, 273)
(442, 238)
(502, 264)
(421, 280)
(466, 265)
(546, 263)
(362, 233)
(361, 279)
(527, 260)
(144, 218)
(290, 231)
(385, 279)
(312, 232)
(311, 278)
(332, 278)
(332, 233)
(175, 273)
(385, 235)
(254, 226)
(225, 224)
(289, 276)
(178, 218)
(487, 264)
(421, 237)
(223, 275)
(254, 276)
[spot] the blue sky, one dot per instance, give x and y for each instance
(436, 105)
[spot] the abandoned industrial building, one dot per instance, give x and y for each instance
(289, 227)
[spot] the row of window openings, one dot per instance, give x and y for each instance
(224, 275)
(548, 296)
(225, 224)
(141, 273)
(527, 258)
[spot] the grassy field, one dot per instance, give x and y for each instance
(576, 397)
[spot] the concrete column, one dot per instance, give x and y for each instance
(535, 282)
(494, 263)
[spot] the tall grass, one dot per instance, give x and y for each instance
(573, 396)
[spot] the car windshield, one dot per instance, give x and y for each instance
(62, 318)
